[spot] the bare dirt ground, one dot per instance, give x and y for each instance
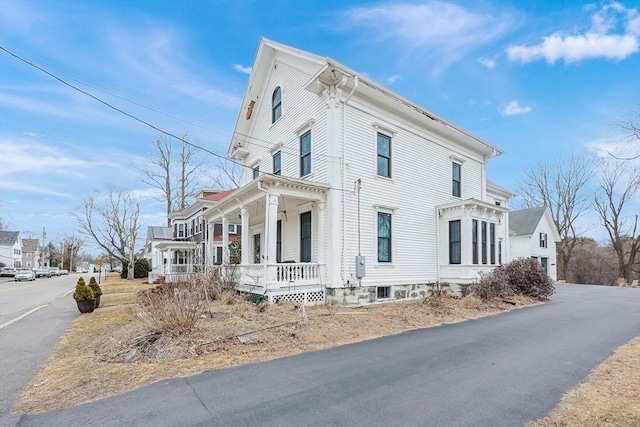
(609, 397)
(112, 350)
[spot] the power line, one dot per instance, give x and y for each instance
(144, 122)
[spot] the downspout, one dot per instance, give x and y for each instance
(344, 179)
(437, 246)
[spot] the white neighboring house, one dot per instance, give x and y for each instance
(351, 192)
(534, 234)
(155, 257)
(11, 248)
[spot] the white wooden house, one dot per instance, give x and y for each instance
(10, 248)
(534, 234)
(341, 171)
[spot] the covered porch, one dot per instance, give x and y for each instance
(282, 250)
(179, 261)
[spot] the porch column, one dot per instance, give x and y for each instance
(246, 253)
(210, 254)
(320, 234)
(225, 239)
(271, 222)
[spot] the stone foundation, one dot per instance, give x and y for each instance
(364, 295)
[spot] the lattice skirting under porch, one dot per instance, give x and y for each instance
(302, 298)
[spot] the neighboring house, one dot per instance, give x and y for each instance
(10, 248)
(31, 253)
(351, 192)
(190, 243)
(534, 234)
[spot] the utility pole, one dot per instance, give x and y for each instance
(44, 234)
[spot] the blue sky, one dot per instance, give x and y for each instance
(535, 78)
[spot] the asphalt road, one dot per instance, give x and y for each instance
(33, 317)
(503, 370)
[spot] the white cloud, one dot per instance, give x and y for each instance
(487, 62)
(606, 39)
(244, 70)
(437, 29)
(514, 108)
(391, 80)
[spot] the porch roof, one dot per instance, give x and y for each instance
(263, 185)
(176, 245)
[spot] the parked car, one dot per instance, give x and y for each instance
(64, 272)
(25, 274)
(42, 272)
(8, 271)
(55, 271)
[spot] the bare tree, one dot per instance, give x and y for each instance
(630, 125)
(188, 181)
(112, 222)
(561, 186)
(618, 207)
(177, 183)
(71, 246)
(158, 173)
(226, 174)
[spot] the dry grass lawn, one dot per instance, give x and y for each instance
(113, 349)
(610, 396)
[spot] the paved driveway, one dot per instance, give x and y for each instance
(503, 370)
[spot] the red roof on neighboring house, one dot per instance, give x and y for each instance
(218, 196)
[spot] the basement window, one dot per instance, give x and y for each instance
(384, 292)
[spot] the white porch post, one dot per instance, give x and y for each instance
(271, 228)
(245, 254)
(320, 245)
(210, 255)
(225, 239)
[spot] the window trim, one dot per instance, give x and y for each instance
(305, 154)
(543, 240)
(457, 244)
(492, 243)
(278, 155)
(389, 238)
(276, 108)
(456, 191)
(474, 241)
(379, 156)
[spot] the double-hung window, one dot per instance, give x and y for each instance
(384, 155)
(455, 252)
(305, 153)
(256, 172)
(492, 242)
(474, 240)
(305, 237)
(276, 104)
(483, 237)
(277, 163)
(384, 237)
(456, 190)
(543, 240)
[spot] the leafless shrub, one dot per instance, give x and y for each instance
(171, 309)
(494, 284)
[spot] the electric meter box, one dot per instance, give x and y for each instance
(360, 266)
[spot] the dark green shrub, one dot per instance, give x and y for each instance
(82, 292)
(526, 277)
(97, 291)
(141, 269)
(494, 284)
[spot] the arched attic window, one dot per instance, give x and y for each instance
(276, 104)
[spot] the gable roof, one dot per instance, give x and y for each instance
(8, 238)
(160, 233)
(218, 196)
(327, 70)
(525, 221)
(30, 245)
